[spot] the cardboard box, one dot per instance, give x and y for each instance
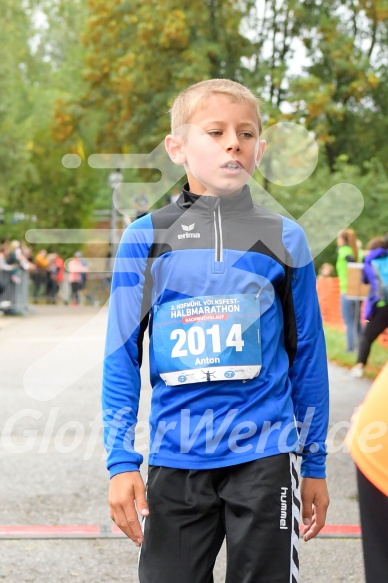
(355, 288)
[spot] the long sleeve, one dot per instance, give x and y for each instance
(308, 372)
(368, 275)
(127, 319)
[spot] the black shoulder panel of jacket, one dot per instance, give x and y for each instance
(257, 231)
(254, 230)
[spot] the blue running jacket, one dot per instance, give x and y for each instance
(237, 353)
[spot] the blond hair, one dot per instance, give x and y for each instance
(15, 244)
(186, 102)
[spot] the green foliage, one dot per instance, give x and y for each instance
(140, 54)
(15, 64)
(272, 27)
(371, 179)
(344, 96)
(90, 77)
(39, 68)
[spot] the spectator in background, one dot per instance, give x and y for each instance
(84, 275)
(350, 309)
(60, 277)
(27, 252)
(52, 286)
(361, 250)
(326, 270)
(18, 261)
(40, 275)
(55, 277)
(325, 283)
(4, 265)
(376, 305)
(76, 271)
(368, 445)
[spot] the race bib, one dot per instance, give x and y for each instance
(208, 338)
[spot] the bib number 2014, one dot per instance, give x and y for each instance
(196, 339)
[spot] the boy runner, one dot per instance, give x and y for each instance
(237, 363)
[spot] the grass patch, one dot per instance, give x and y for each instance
(335, 344)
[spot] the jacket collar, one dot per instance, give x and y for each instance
(240, 203)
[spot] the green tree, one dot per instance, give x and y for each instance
(42, 71)
(343, 96)
(140, 54)
(273, 27)
(370, 178)
(15, 65)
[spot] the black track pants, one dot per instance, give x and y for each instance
(377, 324)
(255, 505)
(374, 519)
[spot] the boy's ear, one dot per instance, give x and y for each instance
(174, 147)
(260, 151)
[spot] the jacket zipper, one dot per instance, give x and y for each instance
(218, 242)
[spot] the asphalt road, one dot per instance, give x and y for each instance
(52, 462)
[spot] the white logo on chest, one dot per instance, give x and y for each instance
(188, 234)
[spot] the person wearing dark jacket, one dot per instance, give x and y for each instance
(376, 306)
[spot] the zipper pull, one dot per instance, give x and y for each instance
(258, 293)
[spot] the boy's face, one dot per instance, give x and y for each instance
(222, 147)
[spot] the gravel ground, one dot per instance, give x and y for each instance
(52, 462)
(106, 561)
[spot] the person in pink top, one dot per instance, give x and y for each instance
(76, 269)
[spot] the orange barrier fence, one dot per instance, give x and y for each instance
(329, 301)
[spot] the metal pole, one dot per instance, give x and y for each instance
(115, 180)
(113, 229)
